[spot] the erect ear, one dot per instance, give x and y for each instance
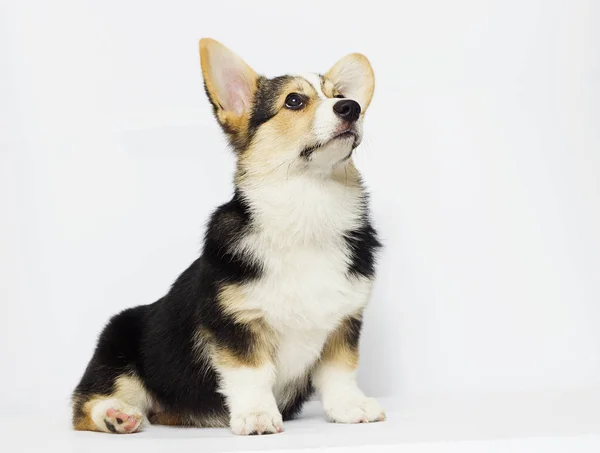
(230, 83)
(353, 78)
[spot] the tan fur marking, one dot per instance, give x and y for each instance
(232, 299)
(262, 351)
(296, 123)
(328, 88)
(82, 420)
(212, 421)
(288, 128)
(131, 390)
(168, 419)
(338, 349)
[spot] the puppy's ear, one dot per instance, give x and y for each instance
(353, 78)
(230, 84)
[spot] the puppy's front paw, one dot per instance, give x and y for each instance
(359, 410)
(261, 422)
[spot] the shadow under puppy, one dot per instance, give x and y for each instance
(273, 306)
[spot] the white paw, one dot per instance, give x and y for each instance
(263, 422)
(361, 410)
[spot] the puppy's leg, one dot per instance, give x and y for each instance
(243, 358)
(121, 412)
(335, 378)
(110, 397)
(248, 390)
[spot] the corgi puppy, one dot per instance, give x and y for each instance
(272, 308)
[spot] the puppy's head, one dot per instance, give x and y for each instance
(311, 120)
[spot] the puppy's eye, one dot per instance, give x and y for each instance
(294, 101)
(340, 96)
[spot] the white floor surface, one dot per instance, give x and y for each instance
(561, 423)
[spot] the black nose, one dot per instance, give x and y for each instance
(347, 109)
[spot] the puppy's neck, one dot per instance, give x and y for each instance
(298, 206)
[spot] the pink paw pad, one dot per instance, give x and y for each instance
(121, 422)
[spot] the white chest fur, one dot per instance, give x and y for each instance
(303, 297)
(305, 289)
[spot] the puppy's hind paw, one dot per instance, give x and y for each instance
(115, 416)
(123, 421)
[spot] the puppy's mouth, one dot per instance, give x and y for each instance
(343, 135)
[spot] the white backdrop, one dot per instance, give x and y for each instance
(482, 153)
